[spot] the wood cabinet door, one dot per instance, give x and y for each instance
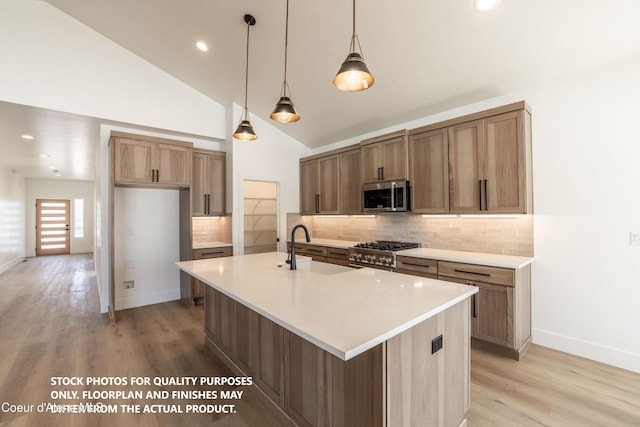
(394, 159)
(134, 161)
(199, 184)
(504, 163)
(429, 171)
(371, 162)
(173, 165)
(465, 160)
(493, 317)
(309, 191)
(304, 381)
(329, 184)
(217, 184)
(270, 376)
(247, 339)
(211, 314)
(226, 323)
(350, 183)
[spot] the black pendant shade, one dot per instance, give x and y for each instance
(245, 131)
(285, 111)
(353, 75)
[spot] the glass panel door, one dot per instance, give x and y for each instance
(52, 227)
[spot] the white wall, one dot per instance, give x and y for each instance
(12, 227)
(273, 157)
(147, 246)
(60, 189)
(51, 60)
(586, 276)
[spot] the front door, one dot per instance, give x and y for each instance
(52, 227)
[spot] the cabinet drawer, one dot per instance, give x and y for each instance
(418, 266)
(312, 250)
(495, 275)
(337, 253)
(212, 252)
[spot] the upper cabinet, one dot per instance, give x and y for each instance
(320, 185)
(208, 193)
(385, 158)
(350, 183)
(429, 170)
(148, 161)
(490, 164)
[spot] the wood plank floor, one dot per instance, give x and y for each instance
(50, 325)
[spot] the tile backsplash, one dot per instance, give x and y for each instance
(507, 235)
(206, 230)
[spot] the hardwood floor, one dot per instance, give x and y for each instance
(50, 326)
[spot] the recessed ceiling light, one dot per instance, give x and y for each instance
(202, 46)
(52, 168)
(484, 5)
(44, 156)
(27, 137)
(58, 174)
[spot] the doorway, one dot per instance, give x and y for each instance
(52, 227)
(260, 217)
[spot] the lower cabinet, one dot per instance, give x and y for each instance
(339, 256)
(500, 311)
(192, 290)
(401, 381)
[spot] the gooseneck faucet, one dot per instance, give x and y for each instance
(293, 243)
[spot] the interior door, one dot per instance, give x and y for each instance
(52, 227)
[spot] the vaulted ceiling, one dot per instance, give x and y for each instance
(427, 56)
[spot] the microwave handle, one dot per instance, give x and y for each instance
(394, 186)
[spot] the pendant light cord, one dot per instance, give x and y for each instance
(246, 75)
(286, 46)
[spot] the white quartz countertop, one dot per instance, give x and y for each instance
(342, 244)
(493, 260)
(205, 245)
(342, 310)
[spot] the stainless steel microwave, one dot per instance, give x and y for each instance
(387, 196)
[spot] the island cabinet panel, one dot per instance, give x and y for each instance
(270, 375)
(323, 390)
(414, 372)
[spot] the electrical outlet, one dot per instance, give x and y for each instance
(634, 238)
(436, 344)
(128, 284)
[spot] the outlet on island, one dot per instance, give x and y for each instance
(128, 284)
(436, 344)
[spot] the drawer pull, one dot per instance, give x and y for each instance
(472, 272)
(415, 265)
(212, 253)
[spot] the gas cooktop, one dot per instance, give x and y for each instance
(387, 245)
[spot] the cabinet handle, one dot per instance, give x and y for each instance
(208, 203)
(157, 175)
(382, 173)
(480, 193)
(486, 198)
(472, 272)
(415, 265)
(317, 203)
(473, 302)
(204, 207)
(211, 253)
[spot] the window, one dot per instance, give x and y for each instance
(78, 218)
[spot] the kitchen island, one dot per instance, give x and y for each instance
(331, 346)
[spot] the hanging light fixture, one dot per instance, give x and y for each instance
(245, 131)
(285, 111)
(353, 75)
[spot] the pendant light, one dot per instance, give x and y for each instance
(245, 131)
(353, 75)
(285, 111)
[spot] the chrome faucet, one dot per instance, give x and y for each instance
(293, 243)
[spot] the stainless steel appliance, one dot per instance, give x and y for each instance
(387, 196)
(380, 254)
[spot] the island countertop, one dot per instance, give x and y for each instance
(342, 310)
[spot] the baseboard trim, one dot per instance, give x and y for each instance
(10, 263)
(146, 299)
(587, 349)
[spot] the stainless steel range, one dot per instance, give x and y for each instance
(380, 254)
